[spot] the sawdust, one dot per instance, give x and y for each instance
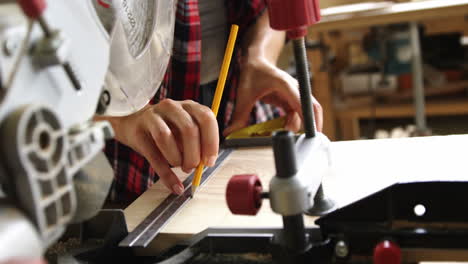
(63, 247)
(70, 247)
(247, 258)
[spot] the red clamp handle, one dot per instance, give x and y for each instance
(293, 15)
(33, 8)
(243, 194)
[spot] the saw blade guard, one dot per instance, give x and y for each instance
(141, 34)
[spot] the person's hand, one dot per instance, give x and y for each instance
(171, 133)
(262, 80)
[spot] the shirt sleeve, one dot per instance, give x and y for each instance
(244, 13)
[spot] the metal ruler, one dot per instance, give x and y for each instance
(249, 142)
(150, 227)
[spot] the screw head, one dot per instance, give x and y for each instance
(341, 249)
(10, 45)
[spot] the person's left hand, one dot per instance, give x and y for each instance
(262, 80)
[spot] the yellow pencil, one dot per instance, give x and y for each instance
(218, 94)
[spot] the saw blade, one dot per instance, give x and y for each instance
(138, 18)
(141, 35)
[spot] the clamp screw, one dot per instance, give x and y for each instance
(10, 45)
(341, 249)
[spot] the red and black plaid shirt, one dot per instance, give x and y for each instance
(133, 174)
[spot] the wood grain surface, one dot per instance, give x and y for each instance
(359, 168)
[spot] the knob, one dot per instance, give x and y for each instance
(387, 252)
(244, 194)
(293, 15)
(32, 8)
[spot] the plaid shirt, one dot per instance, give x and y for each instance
(133, 174)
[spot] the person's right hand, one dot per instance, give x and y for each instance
(171, 133)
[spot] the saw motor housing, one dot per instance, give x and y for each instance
(53, 62)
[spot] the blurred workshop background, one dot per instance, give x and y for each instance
(362, 63)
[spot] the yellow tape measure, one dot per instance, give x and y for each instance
(264, 129)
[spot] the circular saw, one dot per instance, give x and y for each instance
(141, 34)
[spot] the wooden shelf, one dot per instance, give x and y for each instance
(348, 118)
(334, 30)
(396, 13)
(440, 107)
(446, 89)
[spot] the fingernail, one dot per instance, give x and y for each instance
(178, 189)
(211, 161)
(188, 171)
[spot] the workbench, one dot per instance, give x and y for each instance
(359, 168)
(434, 14)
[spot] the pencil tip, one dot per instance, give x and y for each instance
(194, 189)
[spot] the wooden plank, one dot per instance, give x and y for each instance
(208, 208)
(254, 160)
(150, 227)
(359, 168)
(397, 13)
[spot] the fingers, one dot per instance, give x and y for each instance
(187, 131)
(245, 101)
(293, 122)
(208, 126)
(264, 81)
(318, 114)
(173, 133)
(294, 119)
(288, 88)
(240, 117)
(165, 140)
(291, 101)
(160, 165)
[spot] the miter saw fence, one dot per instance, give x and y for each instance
(53, 62)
